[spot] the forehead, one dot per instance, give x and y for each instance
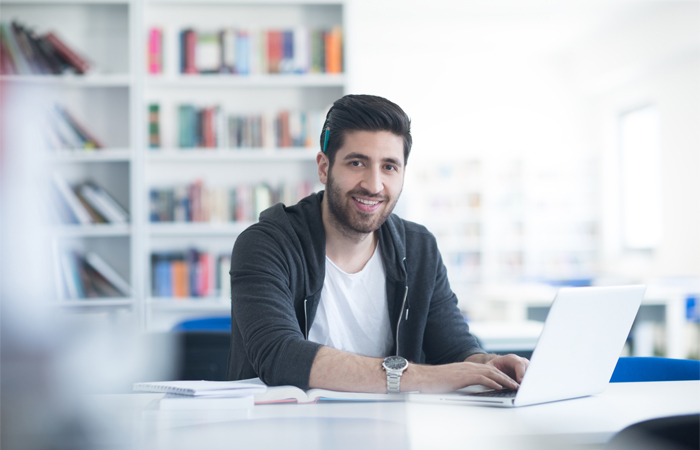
(373, 144)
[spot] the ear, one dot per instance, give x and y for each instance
(323, 165)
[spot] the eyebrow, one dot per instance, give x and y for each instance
(355, 155)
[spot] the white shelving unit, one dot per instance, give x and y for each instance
(112, 101)
(106, 101)
(223, 167)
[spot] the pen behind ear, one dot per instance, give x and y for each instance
(325, 141)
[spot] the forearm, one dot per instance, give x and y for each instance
(342, 371)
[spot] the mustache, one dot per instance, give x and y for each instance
(366, 194)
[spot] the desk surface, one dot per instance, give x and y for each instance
(588, 422)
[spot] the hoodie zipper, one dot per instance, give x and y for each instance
(403, 305)
(306, 321)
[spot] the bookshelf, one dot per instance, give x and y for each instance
(111, 100)
(223, 166)
(104, 102)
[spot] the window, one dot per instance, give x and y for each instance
(640, 158)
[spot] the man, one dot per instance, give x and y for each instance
(323, 291)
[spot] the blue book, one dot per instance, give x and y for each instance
(163, 279)
(243, 53)
(287, 64)
(153, 206)
(192, 262)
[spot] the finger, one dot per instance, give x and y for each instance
(520, 368)
(501, 378)
(488, 382)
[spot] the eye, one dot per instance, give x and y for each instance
(355, 163)
(391, 168)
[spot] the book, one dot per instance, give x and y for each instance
(293, 394)
(88, 139)
(174, 402)
(18, 59)
(227, 48)
(79, 63)
(104, 203)
(71, 199)
(155, 51)
(154, 125)
(202, 388)
(71, 275)
(104, 269)
(207, 53)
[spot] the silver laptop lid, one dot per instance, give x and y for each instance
(583, 336)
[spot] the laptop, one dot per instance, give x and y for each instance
(576, 353)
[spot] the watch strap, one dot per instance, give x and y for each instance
(393, 382)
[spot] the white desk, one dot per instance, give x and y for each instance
(588, 422)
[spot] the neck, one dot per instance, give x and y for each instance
(348, 249)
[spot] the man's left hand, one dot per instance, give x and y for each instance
(512, 365)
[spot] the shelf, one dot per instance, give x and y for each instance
(94, 303)
(70, 80)
(233, 81)
(244, 2)
(100, 155)
(94, 230)
(190, 304)
(232, 155)
(197, 228)
(64, 2)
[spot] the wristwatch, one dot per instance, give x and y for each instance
(394, 367)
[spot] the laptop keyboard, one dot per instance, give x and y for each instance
(504, 393)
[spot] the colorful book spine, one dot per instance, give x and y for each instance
(254, 51)
(154, 125)
(191, 273)
(80, 64)
(155, 51)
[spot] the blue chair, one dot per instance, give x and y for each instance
(203, 348)
(635, 369)
(205, 324)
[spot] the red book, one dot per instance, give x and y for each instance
(190, 46)
(274, 50)
(203, 275)
(285, 137)
(209, 139)
(75, 60)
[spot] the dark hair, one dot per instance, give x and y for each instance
(364, 113)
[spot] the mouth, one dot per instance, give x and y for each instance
(367, 205)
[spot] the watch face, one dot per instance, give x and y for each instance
(395, 363)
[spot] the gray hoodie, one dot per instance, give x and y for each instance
(277, 274)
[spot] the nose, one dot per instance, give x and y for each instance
(373, 181)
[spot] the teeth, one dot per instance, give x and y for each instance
(366, 202)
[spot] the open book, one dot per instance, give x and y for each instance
(292, 394)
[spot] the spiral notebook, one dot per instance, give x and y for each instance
(202, 388)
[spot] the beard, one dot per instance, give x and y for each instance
(347, 217)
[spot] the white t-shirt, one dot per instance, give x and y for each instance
(353, 315)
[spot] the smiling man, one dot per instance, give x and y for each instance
(336, 292)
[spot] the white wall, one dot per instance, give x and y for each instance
(652, 59)
(537, 78)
